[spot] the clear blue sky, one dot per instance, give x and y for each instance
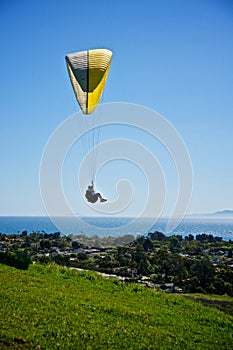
(173, 56)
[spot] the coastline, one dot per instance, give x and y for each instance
(116, 226)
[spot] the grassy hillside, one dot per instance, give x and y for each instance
(58, 308)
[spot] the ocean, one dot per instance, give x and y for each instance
(115, 226)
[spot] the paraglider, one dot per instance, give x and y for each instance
(92, 196)
(88, 72)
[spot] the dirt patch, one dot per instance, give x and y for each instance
(222, 305)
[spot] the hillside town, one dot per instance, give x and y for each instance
(172, 264)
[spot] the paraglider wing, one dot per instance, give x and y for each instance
(88, 71)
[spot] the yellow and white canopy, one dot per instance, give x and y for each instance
(88, 71)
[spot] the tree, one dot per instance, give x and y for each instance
(76, 245)
(45, 244)
(19, 259)
(142, 264)
(123, 256)
(24, 233)
(204, 270)
(174, 243)
(56, 235)
(157, 236)
(229, 255)
(190, 237)
(177, 269)
(147, 244)
(82, 256)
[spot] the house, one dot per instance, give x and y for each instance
(167, 287)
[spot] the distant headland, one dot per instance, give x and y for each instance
(227, 213)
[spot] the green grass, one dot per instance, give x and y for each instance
(58, 308)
